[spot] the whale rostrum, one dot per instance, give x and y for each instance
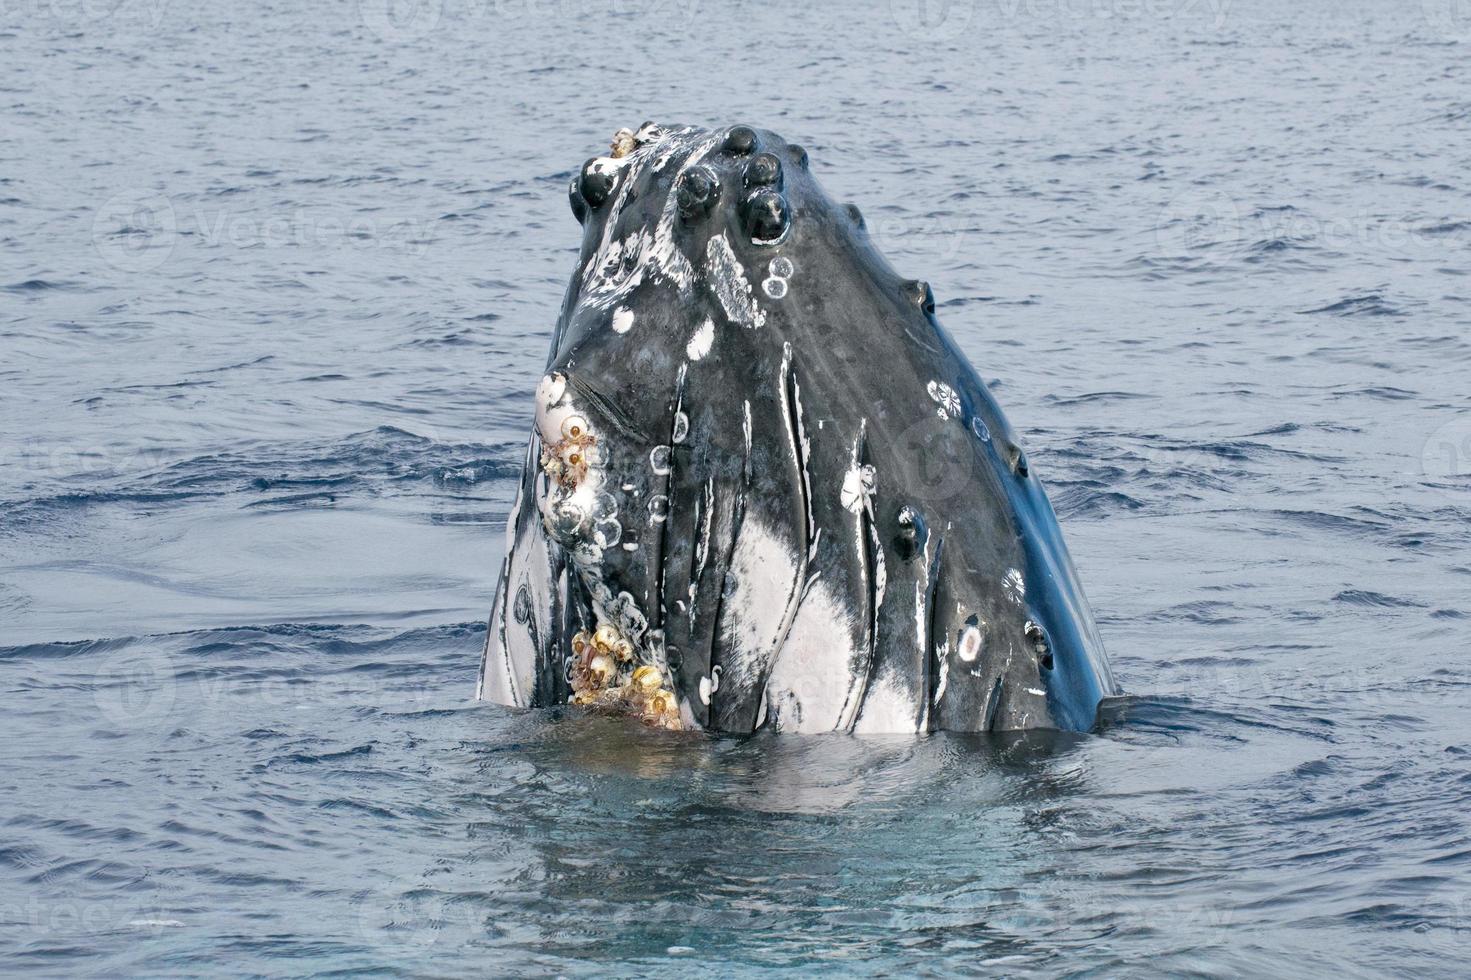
(764, 488)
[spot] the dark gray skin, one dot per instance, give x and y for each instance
(807, 511)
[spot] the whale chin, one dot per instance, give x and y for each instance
(763, 486)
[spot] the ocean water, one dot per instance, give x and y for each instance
(276, 283)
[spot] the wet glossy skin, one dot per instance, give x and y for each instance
(760, 457)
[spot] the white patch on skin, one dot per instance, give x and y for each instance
(944, 678)
(775, 288)
(810, 680)
(618, 267)
(728, 279)
(946, 398)
(622, 320)
(1015, 586)
(764, 572)
(746, 429)
(858, 486)
(1037, 691)
(701, 341)
(888, 709)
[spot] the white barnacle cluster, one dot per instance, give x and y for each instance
(619, 666)
(576, 508)
(945, 398)
(605, 674)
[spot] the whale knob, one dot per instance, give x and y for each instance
(740, 140)
(574, 197)
(595, 185)
(698, 190)
(1037, 636)
(913, 534)
(764, 170)
(798, 155)
(766, 216)
(923, 296)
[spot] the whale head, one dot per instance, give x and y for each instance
(764, 486)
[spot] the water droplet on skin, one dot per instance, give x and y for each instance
(978, 426)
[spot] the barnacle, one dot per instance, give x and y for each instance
(568, 459)
(623, 143)
(604, 678)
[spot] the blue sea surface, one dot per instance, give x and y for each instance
(276, 284)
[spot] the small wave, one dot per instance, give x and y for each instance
(1359, 597)
(1367, 304)
(37, 286)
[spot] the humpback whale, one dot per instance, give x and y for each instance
(764, 489)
